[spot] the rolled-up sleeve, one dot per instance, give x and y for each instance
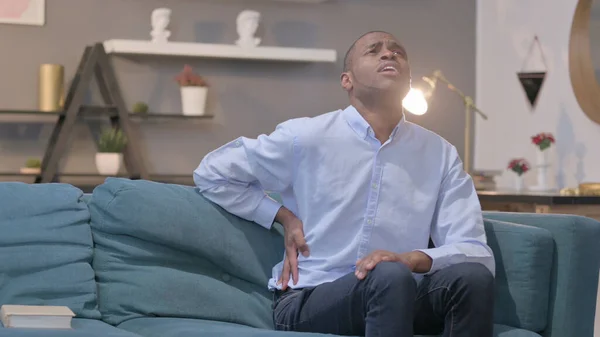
(236, 175)
(457, 230)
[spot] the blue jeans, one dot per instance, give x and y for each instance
(457, 301)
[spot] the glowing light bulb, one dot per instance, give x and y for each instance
(415, 102)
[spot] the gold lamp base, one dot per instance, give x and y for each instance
(417, 103)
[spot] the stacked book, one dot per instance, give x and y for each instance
(36, 317)
(485, 180)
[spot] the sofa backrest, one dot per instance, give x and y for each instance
(164, 250)
(46, 248)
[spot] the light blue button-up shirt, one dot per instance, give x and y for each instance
(353, 194)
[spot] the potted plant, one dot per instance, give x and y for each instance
(32, 166)
(110, 151)
(194, 91)
(140, 108)
(519, 166)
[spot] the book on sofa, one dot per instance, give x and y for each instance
(39, 317)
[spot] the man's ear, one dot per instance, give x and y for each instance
(346, 81)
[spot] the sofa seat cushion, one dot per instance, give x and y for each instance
(524, 256)
(186, 327)
(46, 247)
(81, 327)
(163, 250)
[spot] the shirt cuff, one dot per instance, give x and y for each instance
(266, 211)
(438, 256)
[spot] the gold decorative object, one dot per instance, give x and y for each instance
(584, 189)
(589, 188)
(581, 66)
(51, 87)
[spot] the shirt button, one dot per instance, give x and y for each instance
(238, 143)
(374, 185)
(369, 221)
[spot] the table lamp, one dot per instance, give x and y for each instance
(416, 102)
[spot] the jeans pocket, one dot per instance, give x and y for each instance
(284, 310)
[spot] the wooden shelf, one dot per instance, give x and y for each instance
(36, 116)
(304, 1)
(93, 63)
(28, 116)
(96, 175)
(16, 174)
(185, 179)
(188, 49)
(87, 182)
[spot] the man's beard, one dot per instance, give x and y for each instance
(387, 96)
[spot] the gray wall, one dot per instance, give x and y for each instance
(247, 98)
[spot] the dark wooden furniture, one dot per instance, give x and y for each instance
(540, 202)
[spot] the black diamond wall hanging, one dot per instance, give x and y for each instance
(532, 81)
(532, 84)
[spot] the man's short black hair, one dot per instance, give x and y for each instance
(348, 58)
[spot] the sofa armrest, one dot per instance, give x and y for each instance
(523, 256)
(575, 266)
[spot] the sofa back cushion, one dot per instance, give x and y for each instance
(163, 250)
(46, 248)
(523, 257)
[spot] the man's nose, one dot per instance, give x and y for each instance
(387, 54)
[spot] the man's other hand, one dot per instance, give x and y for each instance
(294, 244)
(416, 261)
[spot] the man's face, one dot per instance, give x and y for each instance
(378, 62)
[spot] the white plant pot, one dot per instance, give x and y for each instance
(30, 170)
(193, 100)
(108, 163)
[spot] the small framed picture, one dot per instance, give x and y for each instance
(23, 12)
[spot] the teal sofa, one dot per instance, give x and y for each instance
(138, 258)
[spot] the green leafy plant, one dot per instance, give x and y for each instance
(187, 78)
(33, 163)
(112, 141)
(140, 107)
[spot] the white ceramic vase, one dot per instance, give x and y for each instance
(518, 183)
(542, 166)
(108, 163)
(193, 100)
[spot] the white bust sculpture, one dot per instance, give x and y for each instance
(160, 20)
(247, 23)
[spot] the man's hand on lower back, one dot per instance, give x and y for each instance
(294, 244)
(416, 261)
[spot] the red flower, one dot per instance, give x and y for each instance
(187, 77)
(543, 140)
(519, 166)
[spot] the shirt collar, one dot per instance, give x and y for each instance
(361, 126)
